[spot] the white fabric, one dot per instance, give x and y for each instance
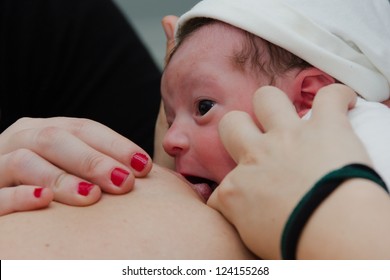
(371, 122)
(348, 39)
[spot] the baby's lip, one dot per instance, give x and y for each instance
(204, 187)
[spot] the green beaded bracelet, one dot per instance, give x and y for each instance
(313, 198)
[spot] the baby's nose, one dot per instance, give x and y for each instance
(175, 141)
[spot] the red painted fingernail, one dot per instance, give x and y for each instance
(85, 188)
(38, 192)
(139, 161)
(118, 175)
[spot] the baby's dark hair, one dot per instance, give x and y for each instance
(252, 51)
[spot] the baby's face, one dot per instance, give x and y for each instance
(199, 86)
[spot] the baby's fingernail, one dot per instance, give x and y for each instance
(139, 161)
(84, 188)
(118, 176)
(38, 192)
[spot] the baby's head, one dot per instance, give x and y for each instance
(215, 68)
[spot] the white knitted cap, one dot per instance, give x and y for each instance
(348, 39)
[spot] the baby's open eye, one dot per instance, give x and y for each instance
(204, 106)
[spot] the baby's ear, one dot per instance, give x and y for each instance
(307, 84)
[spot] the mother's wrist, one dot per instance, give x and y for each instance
(314, 197)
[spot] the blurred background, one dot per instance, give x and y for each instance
(146, 15)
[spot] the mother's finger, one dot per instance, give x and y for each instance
(24, 167)
(332, 103)
(99, 137)
(23, 198)
(111, 143)
(273, 109)
(71, 154)
(240, 135)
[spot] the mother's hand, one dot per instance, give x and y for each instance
(69, 160)
(277, 167)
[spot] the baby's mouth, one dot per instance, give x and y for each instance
(204, 187)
